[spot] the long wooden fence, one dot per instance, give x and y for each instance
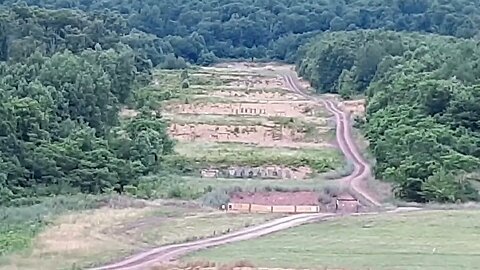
(257, 208)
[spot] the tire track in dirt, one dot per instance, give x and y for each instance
(346, 143)
(362, 169)
(169, 252)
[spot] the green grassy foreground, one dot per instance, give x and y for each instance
(78, 238)
(436, 240)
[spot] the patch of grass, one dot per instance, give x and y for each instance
(243, 89)
(204, 79)
(199, 226)
(166, 88)
(221, 196)
(19, 225)
(297, 123)
(432, 240)
(200, 265)
(313, 133)
(166, 85)
(92, 237)
(168, 187)
(214, 191)
(225, 154)
(191, 98)
(220, 120)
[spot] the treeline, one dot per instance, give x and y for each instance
(25, 30)
(423, 94)
(200, 31)
(64, 76)
(68, 66)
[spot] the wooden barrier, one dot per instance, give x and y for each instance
(257, 208)
(242, 207)
(283, 209)
(307, 209)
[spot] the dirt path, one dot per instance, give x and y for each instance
(362, 171)
(169, 252)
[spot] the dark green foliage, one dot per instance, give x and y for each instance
(200, 31)
(185, 84)
(59, 104)
(423, 105)
(172, 62)
(67, 67)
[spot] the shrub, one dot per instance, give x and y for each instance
(216, 198)
(185, 84)
(172, 62)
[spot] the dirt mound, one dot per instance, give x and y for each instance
(276, 198)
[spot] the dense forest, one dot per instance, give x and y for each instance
(200, 31)
(63, 79)
(68, 66)
(423, 112)
(59, 126)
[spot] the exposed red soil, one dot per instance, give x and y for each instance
(276, 198)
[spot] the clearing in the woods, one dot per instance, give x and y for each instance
(244, 115)
(239, 130)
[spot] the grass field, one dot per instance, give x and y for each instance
(81, 238)
(434, 240)
(247, 184)
(201, 153)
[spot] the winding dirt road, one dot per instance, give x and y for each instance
(169, 252)
(361, 172)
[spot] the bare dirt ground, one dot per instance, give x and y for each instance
(248, 92)
(259, 172)
(354, 107)
(276, 198)
(265, 108)
(253, 82)
(263, 135)
(256, 68)
(128, 113)
(255, 95)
